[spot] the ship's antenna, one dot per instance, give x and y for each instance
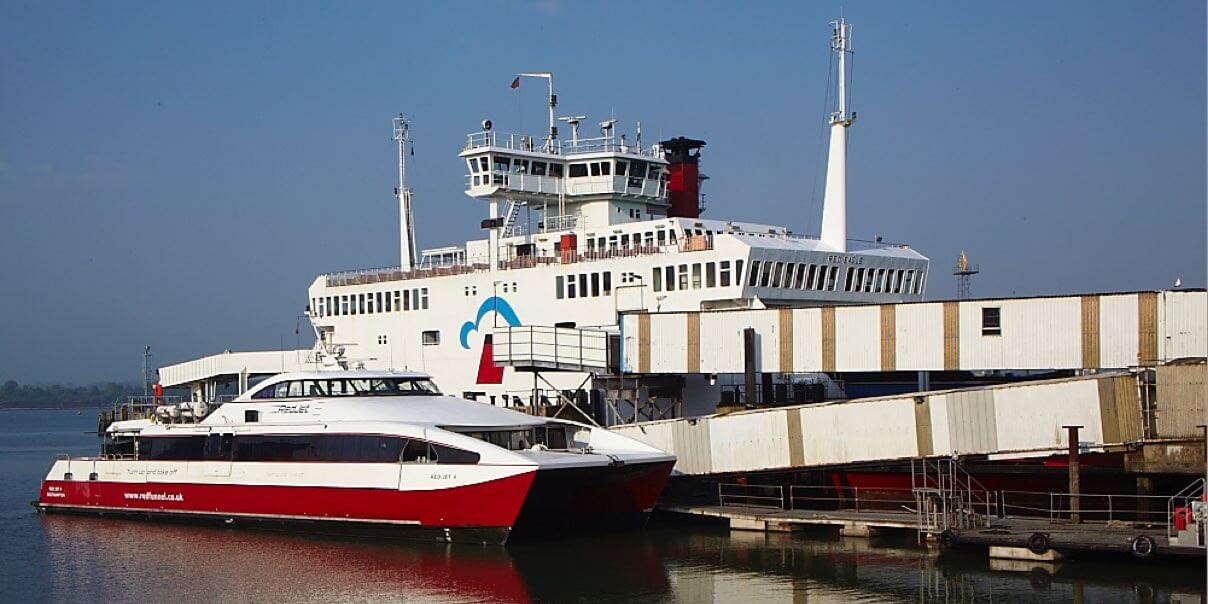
(406, 234)
(553, 102)
(574, 121)
(834, 200)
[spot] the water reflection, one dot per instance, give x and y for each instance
(122, 560)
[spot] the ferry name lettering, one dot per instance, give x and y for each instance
(845, 259)
(305, 408)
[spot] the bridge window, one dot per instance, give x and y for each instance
(608, 284)
(754, 280)
(595, 168)
(658, 278)
(683, 277)
(738, 272)
(711, 274)
(879, 282)
(558, 285)
(765, 274)
(473, 162)
(620, 168)
(502, 164)
(696, 276)
(725, 273)
(909, 281)
(571, 287)
(578, 170)
(670, 271)
(538, 168)
(431, 338)
(847, 283)
(595, 284)
(991, 321)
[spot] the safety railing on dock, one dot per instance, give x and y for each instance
(1186, 512)
(751, 495)
(1092, 507)
(853, 499)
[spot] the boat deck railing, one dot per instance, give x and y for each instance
(695, 243)
(531, 144)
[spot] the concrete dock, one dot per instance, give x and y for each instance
(1010, 538)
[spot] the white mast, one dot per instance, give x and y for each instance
(553, 102)
(834, 200)
(406, 225)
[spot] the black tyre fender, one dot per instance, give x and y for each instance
(1143, 546)
(1038, 543)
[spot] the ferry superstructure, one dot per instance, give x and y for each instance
(362, 452)
(581, 230)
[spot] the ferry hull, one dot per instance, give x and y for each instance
(593, 498)
(535, 502)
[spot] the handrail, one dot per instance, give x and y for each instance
(763, 495)
(695, 243)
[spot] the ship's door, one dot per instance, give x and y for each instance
(218, 454)
(414, 465)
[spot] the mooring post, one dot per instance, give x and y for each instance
(748, 364)
(1075, 500)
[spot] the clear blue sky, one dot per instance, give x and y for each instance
(176, 174)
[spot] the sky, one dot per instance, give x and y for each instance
(176, 174)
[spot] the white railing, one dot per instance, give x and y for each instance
(474, 264)
(750, 495)
(553, 347)
(601, 144)
(1181, 509)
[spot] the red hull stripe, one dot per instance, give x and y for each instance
(489, 504)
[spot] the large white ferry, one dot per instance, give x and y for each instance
(363, 451)
(583, 229)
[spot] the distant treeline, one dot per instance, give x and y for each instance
(42, 396)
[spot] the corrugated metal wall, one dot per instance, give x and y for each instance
(1072, 332)
(1180, 400)
(1002, 419)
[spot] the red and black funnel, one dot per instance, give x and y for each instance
(683, 180)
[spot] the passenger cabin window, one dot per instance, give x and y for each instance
(991, 321)
(388, 386)
(578, 170)
(346, 448)
(431, 338)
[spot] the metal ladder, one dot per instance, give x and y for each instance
(510, 228)
(947, 497)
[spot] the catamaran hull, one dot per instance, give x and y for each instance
(533, 502)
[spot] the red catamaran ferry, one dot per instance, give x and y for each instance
(359, 452)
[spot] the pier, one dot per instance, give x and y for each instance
(1031, 526)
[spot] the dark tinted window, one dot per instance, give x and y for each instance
(172, 448)
(347, 448)
(447, 455)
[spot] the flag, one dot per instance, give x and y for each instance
(516, 82)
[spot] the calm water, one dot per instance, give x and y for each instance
(61, 558)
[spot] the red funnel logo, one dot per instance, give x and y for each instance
(488, 371)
